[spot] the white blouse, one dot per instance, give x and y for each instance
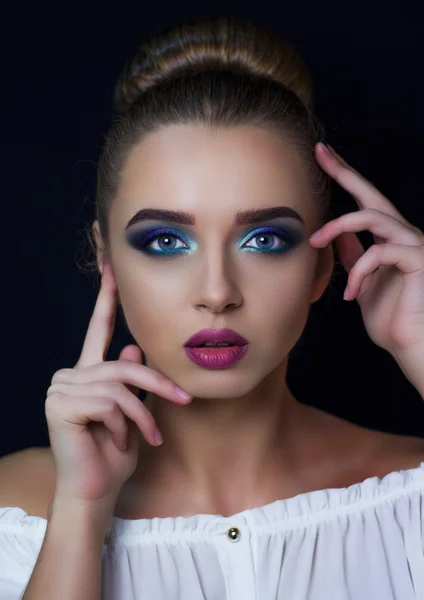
(363, 542)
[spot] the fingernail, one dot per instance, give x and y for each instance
(346, 293)
(316, 235)
(333, 152)
(330, 151)
(181, 393)
(326, 148)
(158, 437)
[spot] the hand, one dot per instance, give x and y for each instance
(388, 279)
(92, 410)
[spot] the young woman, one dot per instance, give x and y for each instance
(211, 182)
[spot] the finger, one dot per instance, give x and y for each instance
(100, 329)
(82, 410)
(125, 372)
(115, 395)
(113, 419)
(131, 352)
(364, 192)
(408, 259)
(134, 354)
(378, 223)
(350, 249)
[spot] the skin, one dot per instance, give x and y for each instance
(244, 440)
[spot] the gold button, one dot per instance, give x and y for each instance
(234, 534)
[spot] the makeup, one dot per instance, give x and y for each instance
(245, 217)
(162, 242)
(216, 358)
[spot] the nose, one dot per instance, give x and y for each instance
(217, 289)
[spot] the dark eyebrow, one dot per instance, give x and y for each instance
(242, 218)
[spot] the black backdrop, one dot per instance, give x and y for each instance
(59, 66)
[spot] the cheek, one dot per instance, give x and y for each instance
(283, 304)
(276, 300)
(148, 304)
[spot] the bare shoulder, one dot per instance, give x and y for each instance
(366, 452)
(400, 452)
(27, 480)
(388, 452)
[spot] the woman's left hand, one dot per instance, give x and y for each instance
(387, 280)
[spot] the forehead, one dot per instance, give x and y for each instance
(209, 170)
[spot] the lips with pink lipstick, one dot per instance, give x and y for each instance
(216, 349)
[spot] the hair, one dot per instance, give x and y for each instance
(219, 72)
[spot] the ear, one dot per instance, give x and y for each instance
(100, 249)
(101, 252)
(323, 272)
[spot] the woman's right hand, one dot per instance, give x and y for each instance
(92, 410)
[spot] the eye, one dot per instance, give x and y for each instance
(159, 242)
(166, 243)
(163, 242)
(267, 241)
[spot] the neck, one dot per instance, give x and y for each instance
(226, 450)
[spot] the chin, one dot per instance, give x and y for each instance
(218, 385)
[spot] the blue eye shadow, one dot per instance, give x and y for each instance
(291, 238)
(140, 239)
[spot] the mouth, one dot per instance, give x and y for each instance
(216, 357)
(213, 338)
(209, 345)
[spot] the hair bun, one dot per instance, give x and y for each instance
(221, 42)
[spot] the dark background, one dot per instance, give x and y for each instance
(59, 67)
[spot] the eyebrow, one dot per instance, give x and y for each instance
(242, 218)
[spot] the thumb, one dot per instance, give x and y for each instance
(132, 353)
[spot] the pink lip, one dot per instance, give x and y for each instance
(216, 358)
(216, 336)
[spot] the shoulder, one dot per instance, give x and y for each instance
(357, 452)
(388, 452)
(27, 480)
(400, 452)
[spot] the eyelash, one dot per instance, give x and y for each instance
(148, 237)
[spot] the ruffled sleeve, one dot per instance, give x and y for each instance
(21, 538)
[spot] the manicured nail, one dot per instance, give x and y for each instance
(158, 437)
(346, 293)
(326, 148)
(181, 393)
(316, 235)
(334, 153)
(329, 150)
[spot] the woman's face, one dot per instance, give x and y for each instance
(174, 279)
